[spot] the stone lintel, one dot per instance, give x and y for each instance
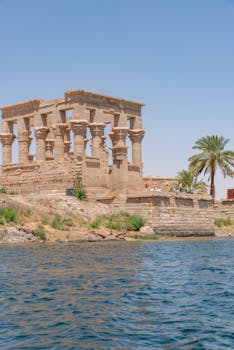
(51, 103)
(94, 100)
(20, 109)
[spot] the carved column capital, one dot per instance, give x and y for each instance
(59, 129)
(41, 132)
(24, 136)
(97, 129)
(136, 135)
(79, 127)
(118, 136)
(7, 139)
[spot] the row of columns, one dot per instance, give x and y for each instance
(61, 142)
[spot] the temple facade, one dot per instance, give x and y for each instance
(44, 143)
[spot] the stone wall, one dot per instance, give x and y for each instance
(224, 210)
(41, 176)
(168, 214)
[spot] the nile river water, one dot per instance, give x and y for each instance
(122, 295)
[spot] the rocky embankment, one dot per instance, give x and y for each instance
(37, 215)
(224, 231)
(72, 225)
(17, 234)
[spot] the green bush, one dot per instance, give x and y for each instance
(9, 215)
(57, 223)
(219, 222)
(3, 190)
(113, 224)
(134, 222)
(79, 190)
(40, 232)
(13, 193)
(96, 223)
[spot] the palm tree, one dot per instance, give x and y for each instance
(211, 157)
(190, 182)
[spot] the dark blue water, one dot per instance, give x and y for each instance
(136, 295)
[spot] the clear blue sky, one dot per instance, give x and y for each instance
(177, 56)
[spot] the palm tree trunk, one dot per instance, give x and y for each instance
(212, 185)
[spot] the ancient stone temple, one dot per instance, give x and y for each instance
(51, 137)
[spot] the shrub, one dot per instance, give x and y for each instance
(219, 222)
(3, 190)
(57, 223)
(96, 223)
(134, 222)
(40, 232)
(79, 190)
(9, 215)
(113, 224)
(13, 193)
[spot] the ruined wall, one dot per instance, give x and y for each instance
(44, 176)
(58, 129)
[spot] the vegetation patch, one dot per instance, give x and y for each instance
(8, 216)
(57, 223)
(5, 190)
(121, 221)
(40, 232)
(219, 222)
(79, 191)
(96, 223)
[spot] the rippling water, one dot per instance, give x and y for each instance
(136, 295)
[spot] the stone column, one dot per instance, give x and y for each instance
(136, 136)
(67, 142)
(49, 149)
(59, 132)
(97, 132)
(79, 129)
(24, 142)
(40, 134)
(6, 140)
(120, 158)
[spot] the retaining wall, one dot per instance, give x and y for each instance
(169, 214)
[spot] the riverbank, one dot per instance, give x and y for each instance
(53, 217)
